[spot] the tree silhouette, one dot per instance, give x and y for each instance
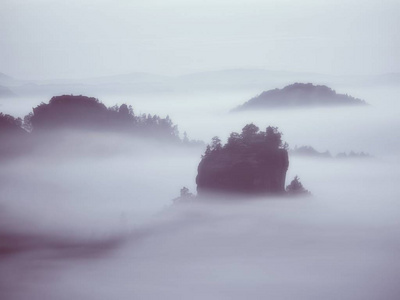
(83, 112)
(248, 163)
(273, 137)
(249, 132)
(124, 110)
(185, 196)
(296, 187)
(216, 144)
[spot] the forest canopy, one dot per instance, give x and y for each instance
(250, 138)
(252, 162)
(83, 112)
(69, 113)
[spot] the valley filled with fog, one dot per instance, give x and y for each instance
(93, 214)
(216, 150)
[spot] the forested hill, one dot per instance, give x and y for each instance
(52, 122)
(299, 95)
(81, 112)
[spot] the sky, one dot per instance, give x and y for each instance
(48, 39)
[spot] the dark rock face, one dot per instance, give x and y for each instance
(254, 163)
(299, 95)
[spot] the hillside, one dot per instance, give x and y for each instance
(299, 95)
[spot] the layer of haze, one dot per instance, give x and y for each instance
(95, 219)
(92, 218)
(47, 39)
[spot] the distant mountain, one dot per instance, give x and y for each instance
(135, 77)
(389, 79)
(131, 83)
(262, 78)
(5, 78)
(8, 81)
(309, 152)
(245, 79)
(222, 80)
(352, 154)
(299, 95)
(6, 92)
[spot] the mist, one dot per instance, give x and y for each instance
(71, 40)
(107, 205)
(95, 216)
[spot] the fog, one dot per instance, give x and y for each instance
(54, 39)
(93, 214)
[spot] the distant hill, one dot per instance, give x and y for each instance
(81, 112)
(308, 151)
(299, 95)
(82, 125)
(5, 79)
(222, 80)
(241, 79)
(6, 92)
(10, 82)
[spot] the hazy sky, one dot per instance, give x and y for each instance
(81, 38)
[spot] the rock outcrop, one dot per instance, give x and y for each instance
(252, 162)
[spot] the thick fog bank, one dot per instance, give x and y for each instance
(93, 217)
(85, 181)
(340, 243)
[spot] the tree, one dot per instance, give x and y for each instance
(207, 152)
(124, 110)
(131, 112)
(249, 132)
(9, 122)
(185, 192)
(185, 196)
(185, 138)
(273, 137)
(296, 187)
(216, 144)
(114, 108)
(27, 124)
(234, 141)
